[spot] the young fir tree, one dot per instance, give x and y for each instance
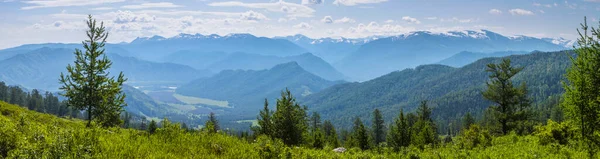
(582, 97)
(212, 124)
(360, 135)
(316, 133)
(289, 120)
(512, 104)
(265, 121)
(468, 120)
(88, 85)
(152, 127)
(399, 132)
(330, 134)
(424, 130)
(378, 127)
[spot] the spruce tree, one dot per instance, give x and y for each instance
(378, 127)
(330, 134)
(468, 120)
(152, 127)
(512, 104)
(360, 135)
(88, 85)
(582, 97)
(399, 132)
(265, 121)
(212, 124)
(424, 130)
(290, 120)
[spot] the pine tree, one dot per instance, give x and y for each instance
(330, 134)
(88, 85)
(316, 133)
(399, 132)
(152, 127)
(36, 101)
(360, 135)
(378, 127)
(512, 104)
(582, 97)
(3, 92)
(265, 121)
(468, 120)
(424, 130)
(212, 125)
(289, 120)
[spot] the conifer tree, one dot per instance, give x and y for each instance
(399, 132)
(265, 121)
(424, 130)
(290, 120)
(88, 85)
(212, 124)
(378, 127)
(330, 134)
(152, 127)
(512, 104)
(582, 97)
(360, 135)
(468, 120)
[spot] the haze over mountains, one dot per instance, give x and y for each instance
(243, 70)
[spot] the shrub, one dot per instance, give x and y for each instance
(554, 132)
(475, 136)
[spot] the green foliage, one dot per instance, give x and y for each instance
(290, 120)
(468, 120)
(553, 132)
(475, 136)
(360, 136)
(212, 124)
(378, 127)
(265, 122)
(331, 136)
(88, 85)
(512, 103)
(424, 130)
(399, 133)
(152, 127)
(582, 97)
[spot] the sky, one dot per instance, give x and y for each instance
(63, 21)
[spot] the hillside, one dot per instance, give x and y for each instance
(28, 134)
(246, 90)
(41, 69)
(465, 57)
(330, 49)
(219, 61)
(452, 91)
(389, 54)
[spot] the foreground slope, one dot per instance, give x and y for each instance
(452, 91)
(28, 134)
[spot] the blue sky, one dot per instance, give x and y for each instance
(40, 21)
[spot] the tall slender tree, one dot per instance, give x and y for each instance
(360, 135)
(378, 127)
(88, 85)
(512, 104)
(582, 97)
(399, 132)
(265, 121)
(212, 124)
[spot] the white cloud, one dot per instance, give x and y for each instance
(373, 28)
(102, 8)
(151, 5)
(495, 11)
(282, 20)
(311, 2)
(571, 5)
(431, 18)
(252, 15)
(291, 9)
(389, 21)
(457, 20)
(345, 20)
(122, 17)
(411, 20)
(519, 11)
(356, 2)
(35, 4)
(327, 19)
(303, 25)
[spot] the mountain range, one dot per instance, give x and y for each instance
(246, 90)
(451, 91)
(466, 57)
(41, 69)
(394, 53)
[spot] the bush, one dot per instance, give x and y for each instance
(554, 132)
(475, 136)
